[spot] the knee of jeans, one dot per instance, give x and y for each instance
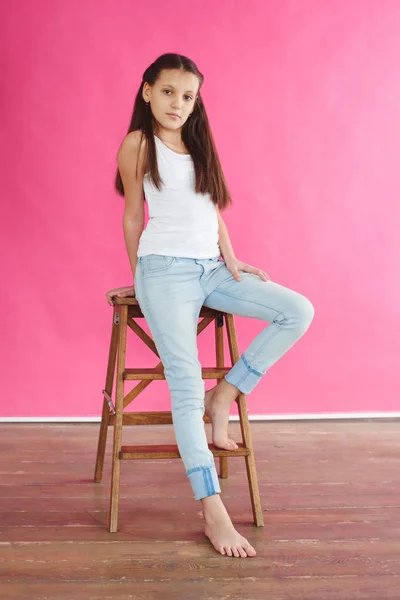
(301, 313)
(307, 311)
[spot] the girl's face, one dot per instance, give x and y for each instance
(173, 93)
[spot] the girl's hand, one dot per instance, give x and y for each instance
(128, 290)
(234, 266)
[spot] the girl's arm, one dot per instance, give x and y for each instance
(232, 263)
(133, 217)
(224, 241)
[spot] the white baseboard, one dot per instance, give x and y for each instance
(289, 417)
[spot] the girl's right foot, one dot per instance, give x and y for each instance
(216, 407)
(221, 532)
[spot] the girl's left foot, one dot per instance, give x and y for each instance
(217, 407)
(220, 530)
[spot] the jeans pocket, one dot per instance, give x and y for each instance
(155, 263)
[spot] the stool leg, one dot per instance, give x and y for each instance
(219, 347)
(116, 461)
(246, 431)
(250, 462)
(112, 355)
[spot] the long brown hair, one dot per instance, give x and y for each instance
(196, 135)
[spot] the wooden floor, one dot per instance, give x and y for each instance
(330, 493)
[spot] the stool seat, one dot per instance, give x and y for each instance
(126, 313)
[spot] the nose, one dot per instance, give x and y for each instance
(177, 105)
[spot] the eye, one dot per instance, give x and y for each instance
(186, 96)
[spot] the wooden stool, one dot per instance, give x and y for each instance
(126, 310)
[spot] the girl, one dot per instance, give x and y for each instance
(169, 158)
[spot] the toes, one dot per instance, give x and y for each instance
(229, 445)
(242, 552)
(250, 550)
(228, 550)
(235, 552)
(221, 550)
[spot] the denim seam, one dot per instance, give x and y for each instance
(190, 471)
(149, 270)
(240, 380)
(247, 364)
(258, 304)
(250, 368)
(266, 343)
(208, 482)
(201, 282)
(217, 291)
(207, 477)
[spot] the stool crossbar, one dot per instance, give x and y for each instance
(125, 314)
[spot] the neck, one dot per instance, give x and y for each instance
(170, 137)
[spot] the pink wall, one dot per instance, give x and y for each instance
(303, 99)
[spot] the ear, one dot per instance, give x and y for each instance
(145, 89)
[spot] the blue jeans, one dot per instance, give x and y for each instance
(171, 291)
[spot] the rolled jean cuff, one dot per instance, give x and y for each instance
(243, 376)
(204, 481)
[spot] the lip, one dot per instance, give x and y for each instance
(173, 115)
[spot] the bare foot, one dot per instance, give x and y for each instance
(221, 532)
(217, 409)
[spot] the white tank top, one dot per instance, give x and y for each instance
(181, 222)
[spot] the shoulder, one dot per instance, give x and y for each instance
(132, 149)
(133, 142)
